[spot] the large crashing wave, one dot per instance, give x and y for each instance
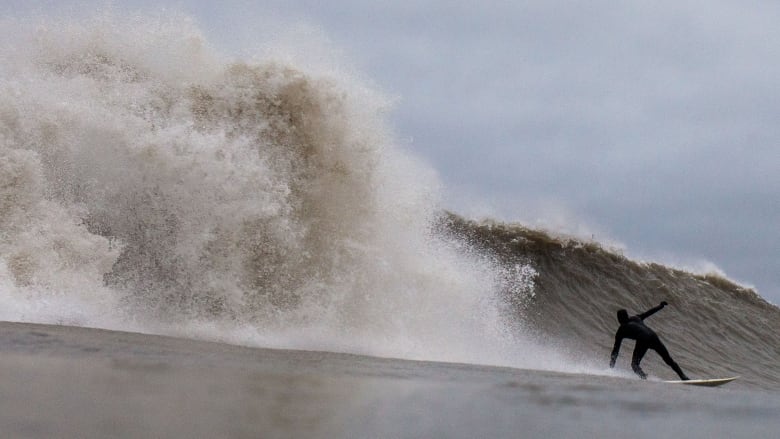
(146, 183)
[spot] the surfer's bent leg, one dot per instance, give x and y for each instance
(639, 352)
(661, 349)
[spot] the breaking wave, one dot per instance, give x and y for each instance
(146, 183)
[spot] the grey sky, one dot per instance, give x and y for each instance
(654, 124)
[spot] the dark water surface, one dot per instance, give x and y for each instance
(76, 382)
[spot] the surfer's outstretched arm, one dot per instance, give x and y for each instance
(652, 311)
(615, 349)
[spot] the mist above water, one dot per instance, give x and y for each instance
(146, 183)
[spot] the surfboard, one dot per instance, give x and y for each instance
(708, 383)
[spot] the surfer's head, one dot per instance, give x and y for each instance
(622, 316)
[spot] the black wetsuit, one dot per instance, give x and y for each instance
(633, 328)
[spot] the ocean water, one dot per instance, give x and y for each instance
(150, 183)
(75, 382)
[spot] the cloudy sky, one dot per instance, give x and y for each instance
(649, 124)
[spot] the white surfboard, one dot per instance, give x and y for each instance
(708, 383)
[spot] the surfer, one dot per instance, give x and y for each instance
(634, 328)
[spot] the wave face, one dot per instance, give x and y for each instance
(148, 184)
(712, 327)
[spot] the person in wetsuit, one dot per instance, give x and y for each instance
(634, 328)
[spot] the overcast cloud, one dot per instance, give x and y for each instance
(653, 124)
